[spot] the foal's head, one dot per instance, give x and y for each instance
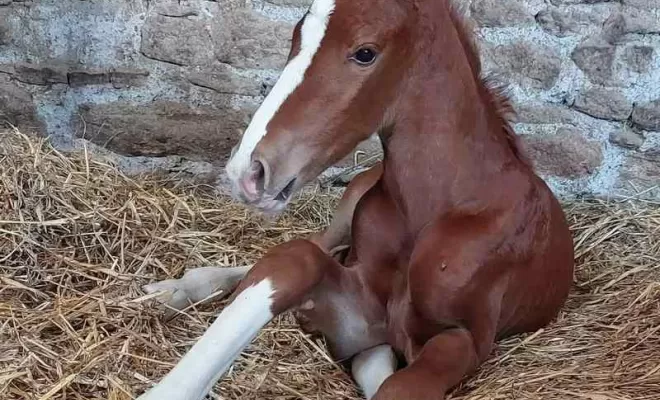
(346, 62)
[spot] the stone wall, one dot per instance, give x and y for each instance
(172, 83)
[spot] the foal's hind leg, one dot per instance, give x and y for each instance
(337, 236)
(372, 367)
(442, 364)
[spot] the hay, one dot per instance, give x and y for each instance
(78, 239)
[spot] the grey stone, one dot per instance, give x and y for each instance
(161, 129)
(17, 107)
(542, 113)
(39, 74)
(602, 103)
(500, 13)
(255, 41)
(89, 77)
(177, 8)
(5, 2)
(647, 116)
(595, 58)
(5, 31)
(565, 154)
(566, 2)
(630, 21)
(121, 78)
(638, 58)
(180, 41)
(563, 21)
(638, 174)
(626, 138)
(652, 5)
(531, 64)
(222, 79)
(291, 3)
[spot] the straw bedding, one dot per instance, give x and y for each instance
(78, 239)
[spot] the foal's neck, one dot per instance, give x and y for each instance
(446, 145)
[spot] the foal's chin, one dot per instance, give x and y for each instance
(267, 206)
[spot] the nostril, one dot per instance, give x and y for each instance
(258, 172)
(254, 180)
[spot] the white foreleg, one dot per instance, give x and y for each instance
(208, 360)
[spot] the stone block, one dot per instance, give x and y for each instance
(180, 41)
(638, 58)
(529, 63)
(162, 129)
(595, 57)
(630, 21)
(17, 107)
(40, 74)
(602, 103)
(566, 21)
(639, 174)
(543, 113)
(647, 115)
(128, 77)
(88, 77)
(626, 138)
(488, 13)
(567, 2)
(255, 41)
(291, 3)
(5, 30)
(566, 154)
(222, 79)
(651, 5)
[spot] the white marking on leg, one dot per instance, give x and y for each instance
(195, 286)
(312, 33)
(371, 367)
(238, 324)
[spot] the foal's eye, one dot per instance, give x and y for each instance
(364, 56)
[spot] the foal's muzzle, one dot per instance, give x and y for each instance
(257, 187)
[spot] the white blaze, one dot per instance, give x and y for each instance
(238, 324)
(312, 33)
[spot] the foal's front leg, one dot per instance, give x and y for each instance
(278, 282)
(195, 286)
(200, 283)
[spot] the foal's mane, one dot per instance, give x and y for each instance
(493, 93)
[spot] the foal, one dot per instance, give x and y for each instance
(449, 244)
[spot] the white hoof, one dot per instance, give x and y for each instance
(195, 286)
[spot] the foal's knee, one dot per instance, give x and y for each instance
(293, 268)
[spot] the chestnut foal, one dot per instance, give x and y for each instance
(449, 244)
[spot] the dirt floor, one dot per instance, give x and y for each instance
(78, 239)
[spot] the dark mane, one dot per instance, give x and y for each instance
(492, 92)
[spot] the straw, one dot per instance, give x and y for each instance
(78, 239)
